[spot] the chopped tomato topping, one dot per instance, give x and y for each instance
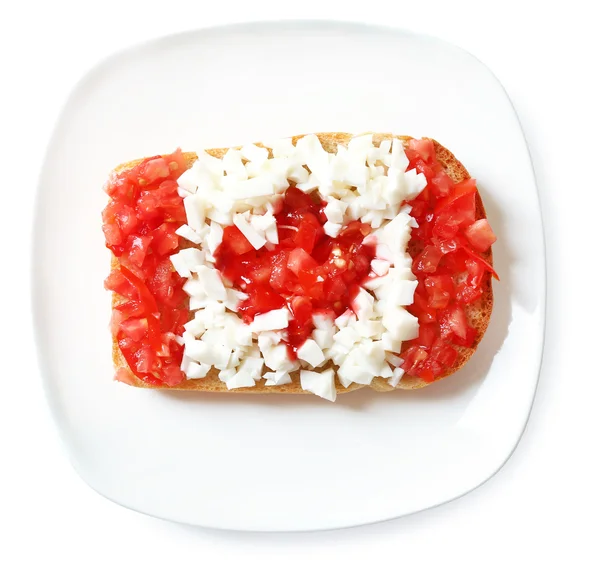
(307, 271)
(448, 265)
(139, 225)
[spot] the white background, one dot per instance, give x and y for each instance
(543, 501)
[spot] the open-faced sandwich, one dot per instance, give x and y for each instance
(321, 263)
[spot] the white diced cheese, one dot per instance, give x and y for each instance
(254, 236)
(195, 326)
(394, 359)
(267, 339)
(201, 351)
(220, 217)
(276, 358)
(332, 229)
(251, 366)
(232, 163)
(194, 371)
(310, 352)
(193, 257)
(188, 180)
(188, 233)
(194, 287)
(323, 321)
(278, 378)
(180, 265)
(323, 337)
(195, 211)
(344, 319)
(319, 383)
(335, 210)
(398, 157)
(298, 174)
(275, 319)
(396, 377)
(237, 379)
(254, 153)
(350, 372)
(380, 267)
(235, 357)
(390, 343)
(400, 324)
(197, 302)
(214, 237)
(369, 329)
(346, 336)
(362, 305)
(211, 282)
(415, 183)
(386, 371)
(233, 299)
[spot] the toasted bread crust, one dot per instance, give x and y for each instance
(478, 312)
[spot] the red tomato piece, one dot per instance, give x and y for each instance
(135, 328)
(171, 375)
(427, 335)
(454, 322)
(118, 283)
(296, 199)
(300, 260)
(441, 185)
(307, 233)
(424, 147)
(428, 260)
(440, 289)
(236, 241)
(480, 235)
(302, 309)
(444, 354)
(137, 248)
(466, 294)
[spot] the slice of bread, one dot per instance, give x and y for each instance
(478, 313)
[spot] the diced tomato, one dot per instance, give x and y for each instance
(468, 339)
(118, 283)
(300, 260)
(308, 233)
(440, 289)
(427, 335)
(444, 353)
(171, 375)
(236, 241)
(460, 190)
(480, 259)
(465, 294)
(112, 234)
(445, 246)
(427, 374)
(424, 147)
(441, 185)
(428, 260)
(454, 322)
(480, 235)
(421, 310)
(302, 309)
(296, 199)
(135, 328)
(164, 239)
(137, 248)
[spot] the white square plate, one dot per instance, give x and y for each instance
(283, 462)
